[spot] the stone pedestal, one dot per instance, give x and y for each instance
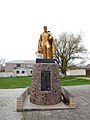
(45, 88)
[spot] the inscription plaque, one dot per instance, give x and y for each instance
(45, 81)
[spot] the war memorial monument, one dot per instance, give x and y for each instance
(45, 91)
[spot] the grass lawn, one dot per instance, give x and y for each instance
(74, 80)
(22, 82)
(15, 82)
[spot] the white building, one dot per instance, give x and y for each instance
(76, 72)
(20, 67)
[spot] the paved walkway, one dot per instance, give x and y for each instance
(82, 112)
(8, 104)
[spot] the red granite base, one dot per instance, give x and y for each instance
(45, 97)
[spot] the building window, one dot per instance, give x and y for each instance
(28, 66)
(17, 72)
(31, 72)
(31, 65)
(18, 65)
(23, 72)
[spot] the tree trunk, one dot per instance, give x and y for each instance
(63, 72)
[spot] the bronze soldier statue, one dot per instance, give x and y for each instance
(46, 44)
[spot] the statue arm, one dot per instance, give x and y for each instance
(53, 46)
(39, 45)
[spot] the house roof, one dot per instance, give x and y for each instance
(23, 61)
(88, 66)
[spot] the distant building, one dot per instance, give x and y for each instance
(87, 69)
(20, 67)
(2, 68)
(25, 67)
(84, 70)
(78, 71)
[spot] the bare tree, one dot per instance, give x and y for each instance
(68, 48)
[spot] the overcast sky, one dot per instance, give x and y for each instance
(22, 21)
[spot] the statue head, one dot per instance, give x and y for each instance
(45, 28)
